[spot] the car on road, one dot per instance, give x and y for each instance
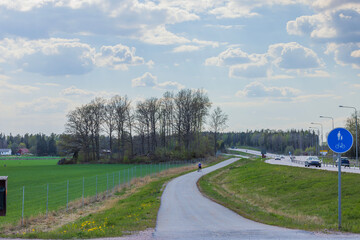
(344, 162)
(312, 161)
(282, 157)
(277, 158)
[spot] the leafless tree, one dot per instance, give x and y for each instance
(217, 123)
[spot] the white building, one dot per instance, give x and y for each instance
(5, 152)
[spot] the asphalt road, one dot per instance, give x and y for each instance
(300, 162)
(186, 214)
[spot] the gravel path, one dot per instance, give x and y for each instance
(186, 214)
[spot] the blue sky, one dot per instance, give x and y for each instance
(275, 64)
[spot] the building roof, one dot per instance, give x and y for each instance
(5, 150)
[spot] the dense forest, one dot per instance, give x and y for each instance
(37, 144)
(275, 141)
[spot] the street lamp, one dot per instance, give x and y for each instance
(316, 146)
(322, 139)
(357, 160)
(331, 119)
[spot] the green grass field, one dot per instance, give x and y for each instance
(286, 196)
(47, 185)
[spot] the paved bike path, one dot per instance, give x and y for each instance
(186, 214)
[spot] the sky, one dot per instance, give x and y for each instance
(269, 64)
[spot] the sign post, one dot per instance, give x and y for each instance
(340, 141)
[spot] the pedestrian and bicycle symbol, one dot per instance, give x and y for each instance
(340, 140)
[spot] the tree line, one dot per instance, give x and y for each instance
(37, 144)
(154, 129)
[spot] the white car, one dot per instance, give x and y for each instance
(277, 158)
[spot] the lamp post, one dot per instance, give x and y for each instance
(322, 139)
(316, 147)
(331, 119)
(357, 159)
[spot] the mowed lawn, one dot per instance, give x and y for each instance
(286, 196)
(46, 183)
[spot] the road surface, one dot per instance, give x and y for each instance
(186, 214)
(300, 162)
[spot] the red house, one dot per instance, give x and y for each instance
(23, 151)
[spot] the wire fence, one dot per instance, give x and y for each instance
(33, 200)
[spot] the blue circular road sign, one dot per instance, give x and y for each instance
(340, 140)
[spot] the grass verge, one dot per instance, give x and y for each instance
(130, 210)
(285, 196)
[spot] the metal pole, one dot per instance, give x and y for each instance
(47, 200)
(339, 190)
(23, 204)
(113, 186)
(96, 188)
(67, 195)
(119, 180)
(107, 184)
(357, 156)
(129, 177)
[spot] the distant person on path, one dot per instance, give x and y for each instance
(199, 167)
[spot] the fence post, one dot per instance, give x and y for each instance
(96, 189)
(113, 186)
(129, 177)
(83, 192)
(119, 181)
(107, 184)
(67, 195)
(47, 200)
(124, 177)
(23, 203)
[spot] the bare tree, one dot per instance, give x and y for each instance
(217, 123)
(96, 108)
(110, 122)
(121, 107)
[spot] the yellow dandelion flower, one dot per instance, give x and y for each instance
(33, 230)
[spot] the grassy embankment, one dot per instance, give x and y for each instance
(285, 196)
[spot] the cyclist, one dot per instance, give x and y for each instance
(199, 166)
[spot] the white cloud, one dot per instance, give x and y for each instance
(229, 57)
(148, 80)
(73, 91)
(206, 43)
(259, 90)
(57, 56)
(43, 105)
(355, 54)
(52, 56)
(82, 93)
(345, 53)
(288, 58)
(225, 26)
(6, 86)
(293, 56)
(118, 57)
(160, 36)
(186, 48)
(170, 85)
(336, 21)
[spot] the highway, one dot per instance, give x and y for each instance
(299, 162)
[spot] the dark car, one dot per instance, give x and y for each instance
(312, 161)
(344, 162)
